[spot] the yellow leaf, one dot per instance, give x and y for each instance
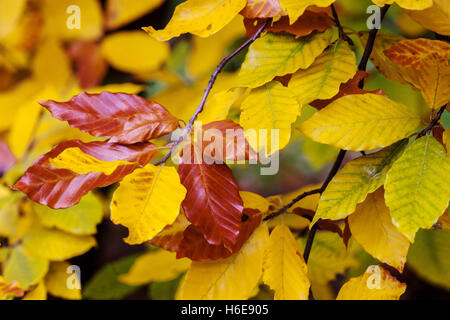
(324, 77)
(80, 219)
(285, 270)
(24, 267)
(57, 282)
(375, 284)
(146, 201)
(38, 293)
(271, 107)
(308, 203)
(435, 18)
(45, 70)
(418, 186)
(153, 266)
(295, 8)
(82, 163)
(277, 55)
(361, 122)
(291, 220)
(134, 52)
(354, 181)
(446, 140)
(407, 4)
(56, 245)
(254, 201)
(10, 13)
(200, 17)
(434, 82)
(371, 225)
(218, 106)
(131, 88)
(225, 279)
(73, 19)
(121, 12)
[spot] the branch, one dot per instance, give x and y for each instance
(211, 82)
(432, 123)
(342, 34)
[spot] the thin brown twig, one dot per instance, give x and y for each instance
(432, 123)
(211, 82)
(342, 34)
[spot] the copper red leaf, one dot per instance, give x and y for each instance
(212, 202)
(124, 118)
(61, 188)
(262, 9)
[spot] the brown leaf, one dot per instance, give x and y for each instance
(61, 188)
(124, 118)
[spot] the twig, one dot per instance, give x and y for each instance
(211, 82)
(432, 123)
(369, 46)
(342, 34)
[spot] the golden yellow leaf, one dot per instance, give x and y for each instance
(418, 186)
(121, 12)
(291, 220)
(57, 282)
(158, 266)
(218, 106)
(73, 19)
(434, 82)
(446, 140)
(375, 284)
(37, 293)
(146, 201)
(254, 201)
(10, 13)
(271, 107)
(295, 8)
(285, 270)
(82, 163)
(199, 17)
(361, 122)
(407, 4)
(371, 225)
(232, 278)
(277, 55)
(25, 267)
(354, 181)
(134, 51)
(435, 18)
(307, 203)
(56, 245)
(323, 78)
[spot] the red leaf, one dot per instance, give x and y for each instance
(348, 88)
(236, 149)
(61, 188)
(124, 118)
(305, 24)
(262, 9)
(91, 66)
(7, 159)
(212, 201)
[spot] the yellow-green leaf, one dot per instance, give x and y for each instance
(277, 55)
(323, 78)
(157, 266)
(37, 293)
(375, 284)
(270, 107)
(56, 245)
(361, 122)
(80, 219)
(232, 278)
(418, 186)
(354, 181)
(285, 270)
(57, 282)
(371, 225)
(134, 51)
(200, 17)
(146, 201)
(295, 8)
(25, 267)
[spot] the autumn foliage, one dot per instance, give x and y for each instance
(364, 112)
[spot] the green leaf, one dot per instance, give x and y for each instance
(354, 181)
(164, 290)
(429, 256)
(105, 284)
(418, 186)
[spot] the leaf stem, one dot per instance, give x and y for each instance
(211, 82)
(432, 123)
